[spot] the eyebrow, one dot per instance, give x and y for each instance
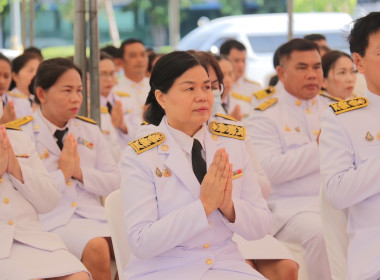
(192, 82)
(306, 64)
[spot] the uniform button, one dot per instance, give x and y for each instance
(1, 180)
(6, 200)
(69, 183)
(74, 204)
(209, 261)
(11, 222)
(207, 245)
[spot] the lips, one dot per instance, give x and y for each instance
(202, 110)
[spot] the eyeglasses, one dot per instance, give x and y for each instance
(218, 91)
(105, 75)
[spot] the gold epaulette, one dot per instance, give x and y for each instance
(122, 94)
(86, 119)
(241, 97)
(266, 104)
(349, 105)
(7, 126)
(147, 142)
(144, 123)
(104, 110)
(227, 130)
(261, 94)
(332, 98)
(19, 122)
(252, 82)
(226, 117)
(15, 94)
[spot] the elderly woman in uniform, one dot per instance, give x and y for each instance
(75, 153)
(188, 186)
(26, 189)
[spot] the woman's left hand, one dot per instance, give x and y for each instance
(227, 206)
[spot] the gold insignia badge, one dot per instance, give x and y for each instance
(226, 117)
(158, 172)
(239, 96)
(165, 148)
(227, 130)
(264, 93)
(166, 172)
(19, 122)
(144, 123)
(147, 142)
(86, 119)
(22, 155)
(266, 104)
(17, 95)
(237, 174)
(369, 137)
(122, 94)
(11, 127)
(349, 105)
(104, 110)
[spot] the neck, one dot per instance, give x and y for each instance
(57, 123)
(134, 77)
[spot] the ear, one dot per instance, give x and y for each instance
(41, 95)
(358, 60)
(160, 97)
(280, 72)
(324, 83)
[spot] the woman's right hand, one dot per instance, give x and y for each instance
(9, 113)
(215, 182)
(4, 150)
(67, 158)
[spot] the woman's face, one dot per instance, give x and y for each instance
(229, 76)
(61, 102)
(340, 81)
(5, 76)
(107, 75)
(188, 103)
(25, 75)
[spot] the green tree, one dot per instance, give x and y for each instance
(346, 6)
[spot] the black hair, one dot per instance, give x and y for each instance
(329, 60)
(167, 69)
(228, 45)
(104, 55)
(315, 37)
(35, 50)
(128, 42)
(4, 58)
(285, 50)
(112, 51)
(50, 71)
(19, 62)
(363, 27)
(209, 59)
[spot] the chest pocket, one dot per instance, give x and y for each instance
(294, 140)
(369, 151)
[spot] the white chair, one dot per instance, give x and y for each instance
(334, 224)
(114, 213)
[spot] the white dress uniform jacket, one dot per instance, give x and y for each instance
(110, 133)
(350, 164)
(22, 103)
(242, 94)
(101, 175)
(21, 234)
(168, 231)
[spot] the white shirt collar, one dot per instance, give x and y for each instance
(52, 127)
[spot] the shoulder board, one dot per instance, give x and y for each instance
(332, 98)
(19, 122)
(11, 127)
(266, 104)
(349, 105)
(122, 94)
(261, 94)
(147, 142)
(18, 95)
(144, 123)
(226, 117)
(241, 97)
(85, 119)
(227, 130)
(251, 81)
(104, 110)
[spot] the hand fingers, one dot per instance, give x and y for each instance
(215, 162)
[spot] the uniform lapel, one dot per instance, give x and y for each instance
(44, 136)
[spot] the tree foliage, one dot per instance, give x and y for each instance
(346, 6)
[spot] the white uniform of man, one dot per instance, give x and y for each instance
(350, 154)
(285, 136)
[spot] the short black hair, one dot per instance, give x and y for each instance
(315, 37)
(112, 51)
(128, 42)
(359, 35)
(228, 45)
(285, 50)
(35, 50)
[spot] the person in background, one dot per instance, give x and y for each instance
(349, 154)
(26, 190)
(317, 38)
(152, 59)
(75, 153)
(243, 88)
(117, 58)
(339, 76)
(285, 134)
(24, 68)
(7, 106)
(181, 200)
(110, 119)
(34, 50)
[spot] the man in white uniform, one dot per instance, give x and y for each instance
(242, 92)
(285, 134)
(350, 154)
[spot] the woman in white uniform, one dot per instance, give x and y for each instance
(75, 153)
(188, 187)
(26, 189)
